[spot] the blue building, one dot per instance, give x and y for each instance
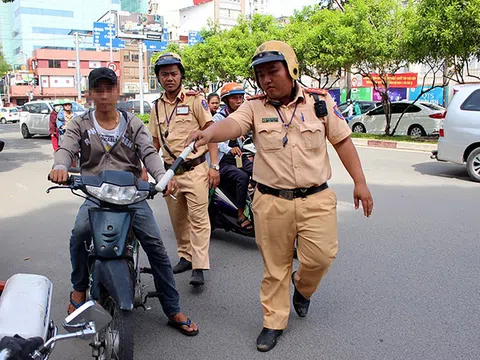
(26, 25)
(135, 6)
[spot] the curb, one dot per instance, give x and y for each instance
(400, 145)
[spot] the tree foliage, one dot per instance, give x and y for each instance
(4, 65)
(366, 37)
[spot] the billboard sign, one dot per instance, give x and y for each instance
(103, 32)
(139, 26)
(406, 80)
(194, 38)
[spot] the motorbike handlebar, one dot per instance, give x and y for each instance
(69, 181)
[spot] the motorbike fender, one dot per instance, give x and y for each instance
(116, 278)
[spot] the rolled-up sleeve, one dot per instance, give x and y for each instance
(244, 117)
(336, 127)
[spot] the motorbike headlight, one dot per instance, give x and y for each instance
(118, 195)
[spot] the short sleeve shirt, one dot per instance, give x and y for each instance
(187, 113)
(303, 162)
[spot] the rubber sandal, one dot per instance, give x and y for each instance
(247, 227)
(178, 325)
(74, 303)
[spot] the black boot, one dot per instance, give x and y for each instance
(267, 339)
(197, 278)
(182, 266)
(300, 303)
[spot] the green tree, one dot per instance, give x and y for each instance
(4, 65)
(450, 29)
(322, 43)
(380, 31)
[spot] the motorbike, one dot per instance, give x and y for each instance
(113, 252)
(222, 209)
(25, 324)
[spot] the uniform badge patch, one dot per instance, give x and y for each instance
(270, 120)
(338, 113)
(204, 104)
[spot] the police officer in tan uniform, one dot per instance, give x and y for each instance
(175, 115)
(291, 126)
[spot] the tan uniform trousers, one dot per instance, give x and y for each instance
(189, 216)
(278, 222)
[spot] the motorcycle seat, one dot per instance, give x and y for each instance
(25, 306)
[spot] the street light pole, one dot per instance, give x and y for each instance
(140, 73)
(77, 66)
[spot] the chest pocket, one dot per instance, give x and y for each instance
(313, 134)
(270, 137)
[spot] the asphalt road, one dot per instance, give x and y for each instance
(405, 284)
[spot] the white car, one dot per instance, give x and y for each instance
(36, 121)
(9, 115)
(421, 119)
(459, 140)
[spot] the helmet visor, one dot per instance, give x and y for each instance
(266, 57)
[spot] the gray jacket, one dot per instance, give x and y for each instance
(135, 144)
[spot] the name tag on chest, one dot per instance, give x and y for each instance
(183, 110)
(270, 120)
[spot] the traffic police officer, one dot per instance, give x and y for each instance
(293, 201)
(175, 115)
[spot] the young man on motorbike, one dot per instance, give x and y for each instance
(114, 140)
(234, 167)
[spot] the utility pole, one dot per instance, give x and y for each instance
(140, 73)
(110, 33)
(77, 66)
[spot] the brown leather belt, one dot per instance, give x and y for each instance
(187, 165)
(293, 193)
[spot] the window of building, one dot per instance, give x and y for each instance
(17, 50)
(45, 12)
(116, 2)
(153, 83)
(134, 57)
(15, 33)
(126, 56)
(54, 64)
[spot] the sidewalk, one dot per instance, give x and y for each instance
(401, 145)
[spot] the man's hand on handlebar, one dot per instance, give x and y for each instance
(171, 189)
(59, 176)
(200, 139)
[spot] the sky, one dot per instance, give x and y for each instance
(286, 7)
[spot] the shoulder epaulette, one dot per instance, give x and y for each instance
(192, 93)
(322, 92)
(255, 97)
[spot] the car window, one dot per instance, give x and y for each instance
(432, 106)
(377, 111)
(77, 107)
(342, 107)
(413, 109)
(43, 107)
(3, 110)
(398, 108)
(472, 103)
(33, 108)
(14, 110)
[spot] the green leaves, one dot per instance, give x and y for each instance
(4, 66)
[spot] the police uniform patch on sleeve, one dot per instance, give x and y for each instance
(205, 104)
(338, 112)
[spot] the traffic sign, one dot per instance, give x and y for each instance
(194, 38)
(155, 45)
(112, 66)
(104, 35)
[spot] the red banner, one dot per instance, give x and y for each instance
(199, 2)
(405, 80)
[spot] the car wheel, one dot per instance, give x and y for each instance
(25, 133)
(3, 120)
(416, 130)
(473, 165)
(359, 128)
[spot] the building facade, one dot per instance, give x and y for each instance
(135, 6)
(52, 75)
(27, 25)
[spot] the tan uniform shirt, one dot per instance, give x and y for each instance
(189, 112)
(303, 162)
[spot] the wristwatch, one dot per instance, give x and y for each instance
(215, 166)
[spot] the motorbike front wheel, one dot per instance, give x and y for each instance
(116, 340)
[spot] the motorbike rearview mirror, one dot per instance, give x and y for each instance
(2, 144)
(91, 311)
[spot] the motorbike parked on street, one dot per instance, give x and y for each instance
(26, 330)
(115, 272)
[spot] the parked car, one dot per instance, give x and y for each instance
(364, 106)
(9, 115)
(36, 119)
(133, 106)
(459, 140)
(420, 119)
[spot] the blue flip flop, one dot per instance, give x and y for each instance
(74, 303)
(178, 326)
